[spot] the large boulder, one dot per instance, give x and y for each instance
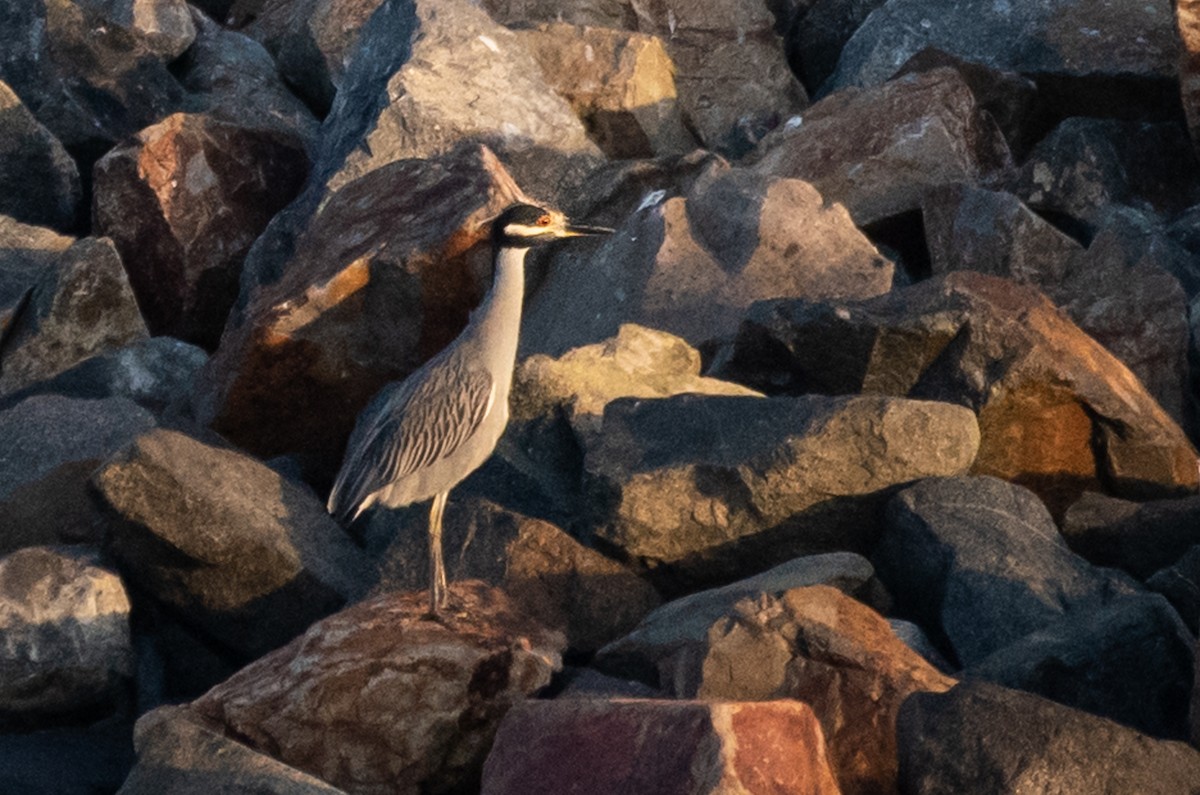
(1140, 538)
(39, 182)
(379, 698)
(705, 490)
(1180, 583)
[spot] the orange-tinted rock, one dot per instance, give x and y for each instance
(379, 698)
(183, 202)
(652, 747)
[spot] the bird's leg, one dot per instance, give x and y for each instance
(437, 569)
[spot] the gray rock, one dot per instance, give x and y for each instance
(705, 490)
(980, 737)
(1140, 538)
(817, 39)
(225, 542)
(39, 182)
(979, 563)
(65, 649)
(915, 638)
(51, 446)
(1180, 583)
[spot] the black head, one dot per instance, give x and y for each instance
(527, 225)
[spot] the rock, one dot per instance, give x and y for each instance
(247, 556)
(980, 737)
(81, 305)
(915, 638)
(51, 446)
(378, 698)
(819, 646)
(686, 620)
(179, 756)
(17, 236)
(381, 278)
(1115, 290)
(621, 188)
(590, 683)
(1130, 661)
(1085, 164)
(645, 747)
(1105, 44)
(600, 13)
(692, 265)
(1050, 399)
(704, 490)
(547, 574)
(156, 373)
(1187, 21)
(621, 84)
(65, 651)
(879, 151)
(183, 202)
(816, 40)
(39, 182)
(979, 563)
(1180, 583)
(93, 73)
(1140, 538)
(33, 763)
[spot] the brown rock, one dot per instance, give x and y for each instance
(39, 182)
(26, 252)
(600, 13)
(380, 699)
(381, 278)
(621, 84)
(651, 747)
(692, 265)
(183, 201)
(1057, 412)
(1187, 21)
(879, 151)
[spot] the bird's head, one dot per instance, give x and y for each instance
(527, 225)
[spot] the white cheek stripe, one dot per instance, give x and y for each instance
(526, 230)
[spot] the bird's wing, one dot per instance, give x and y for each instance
(408, 426)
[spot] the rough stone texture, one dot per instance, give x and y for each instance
(1130, 661)
(878, 151)
(549, 575)
(15, 235)
(1180, 583)
(1187, 21)
(601, 13)
(621, 84)
(183, 201)
(701, 489)
(980, 737)
(816, 40)
(65, 650)
(692, 264)
(979, 563)
(652, 747)
(1140, 538)
(246, 555)
(379, 699)
(51, 446)
(1057, 412)
(39, 182)
(67, 760)
(179, 756)
(382, 277)
(1115, 290)
(26, 254)
(80, 305)
(1059, 38)
(816, 645)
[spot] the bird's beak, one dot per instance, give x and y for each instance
(578, 230)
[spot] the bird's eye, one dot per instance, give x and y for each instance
(543, 221)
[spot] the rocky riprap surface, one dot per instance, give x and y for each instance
(861, 458)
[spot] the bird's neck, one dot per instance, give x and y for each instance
(497, 321)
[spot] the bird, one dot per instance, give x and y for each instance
(421, 436)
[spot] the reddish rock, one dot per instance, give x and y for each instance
(381, 699)
(879, 151)
(183, 201)
(651, 747)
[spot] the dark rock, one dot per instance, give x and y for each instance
(704, 490)
(1057, 412)
(39, 182)
(80, 305)
(26, 254)
(1180, 583)
(692, 264)
(1187, 20)
(183, 202)
(915, 638)
(1130, 661)
(816, 40)
(65, 651)
(980, 564)
(879, 151)
(51, 446)
(980, 737)
(646, 747)
(378, 698)
(225, 542)
(1140, 538)
(590, 683)
(68, 760)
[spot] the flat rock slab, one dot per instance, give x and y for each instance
(980, 737)
(651, 747)
(380, 699)
(705, 490)
(231, 546)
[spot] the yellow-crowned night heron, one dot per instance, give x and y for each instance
(420, 437)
